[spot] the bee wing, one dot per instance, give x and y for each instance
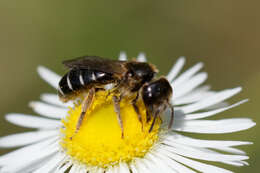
(97, 63)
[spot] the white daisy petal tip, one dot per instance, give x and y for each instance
(238, 88)
(10, 117)
(47, 110)
(49, 76)
(31, 121)
(122, 56)
(43, 71)
(176, 68)
(32, 104)
(141, 57)
(181, 60)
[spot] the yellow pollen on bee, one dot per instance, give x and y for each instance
(98, 141)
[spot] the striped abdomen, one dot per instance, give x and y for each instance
(82, 79)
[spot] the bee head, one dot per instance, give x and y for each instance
(156, 92)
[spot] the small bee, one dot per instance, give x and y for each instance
(156, 97)
(92, 73)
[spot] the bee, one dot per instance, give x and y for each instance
(156, 96)
(92, 73)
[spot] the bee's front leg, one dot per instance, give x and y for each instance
(116, 101)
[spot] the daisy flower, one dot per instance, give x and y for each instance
(98, 146)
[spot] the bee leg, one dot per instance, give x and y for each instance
(137, 109)
(172, 116)
(149, 109)
(116, 101)
(158, 111)
(85, 105)
(154, 119)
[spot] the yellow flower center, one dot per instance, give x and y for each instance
(98, 141)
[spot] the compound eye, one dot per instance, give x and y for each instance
(147, 95)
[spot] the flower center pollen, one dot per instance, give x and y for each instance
(98, 141)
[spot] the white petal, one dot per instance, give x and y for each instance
(184, 140)
(26, 138)
(123, 168)
(133, 168)
(245, 163)
(215, 126)
(111, 170)
(161, 163)
(122, 56)
(100, 170)
(151, 166)
(225, 146)
(217, 106)
(54, 100)
(141, 57)
(232, 150)
(176, 69)
(210, 113)
(64, 167)
(140, 166)
(32, 121)
(27, 169)
(191, 84)
(187, 75)
(195, 164)
(209, 101)
(48, 110)
(234, 163)
(29, 159)
(52, 164)
(195, 153)
(12, 157)
(49, 76)
(175, 165)
(196, 95)
(74, 169)
(83, 170)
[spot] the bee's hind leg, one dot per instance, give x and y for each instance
(116, 101)
(86, 104)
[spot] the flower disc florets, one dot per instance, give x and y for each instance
(99, 142)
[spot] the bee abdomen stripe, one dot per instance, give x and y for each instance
(60, 90)
(69, 83)
(81, 79)
(93, 77)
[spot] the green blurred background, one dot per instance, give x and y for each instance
(224, 34)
